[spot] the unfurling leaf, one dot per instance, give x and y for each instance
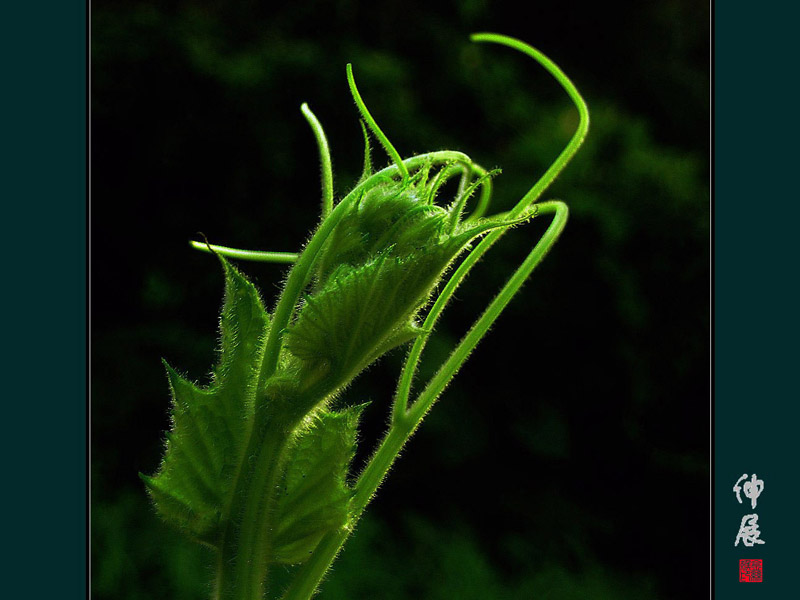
(207, 438)
(315, 497)
(363, 312)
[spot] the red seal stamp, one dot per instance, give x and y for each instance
(751, 570)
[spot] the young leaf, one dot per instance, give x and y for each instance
(364, 312)
(207, 438)
(315, 496)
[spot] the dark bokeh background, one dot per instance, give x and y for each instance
(569, 459)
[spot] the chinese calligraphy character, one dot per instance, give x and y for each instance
(752, 489)
(748, 531)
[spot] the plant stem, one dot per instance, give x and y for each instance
(243, 560)
(311, 573)
(253, 255)
(459, 355)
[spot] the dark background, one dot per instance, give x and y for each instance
(569, 459)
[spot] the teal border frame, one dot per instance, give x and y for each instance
(756, 296)
(44, 300)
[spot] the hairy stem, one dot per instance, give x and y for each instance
(312, 572)
(253, 255)
(451, 366)
(243, 560)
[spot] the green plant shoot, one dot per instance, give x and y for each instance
(257, 464)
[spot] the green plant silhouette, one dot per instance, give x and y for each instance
(257, 465)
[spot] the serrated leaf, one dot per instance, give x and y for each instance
(363, 312)
(315, 496)
(206, 440)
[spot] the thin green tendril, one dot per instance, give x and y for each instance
(373, 126)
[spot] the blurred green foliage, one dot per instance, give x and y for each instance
(594, 483)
